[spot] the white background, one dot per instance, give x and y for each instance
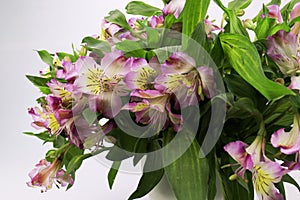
(53, 25)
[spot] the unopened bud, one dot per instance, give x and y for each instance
(248, 23)
(82, 51)
(240, 12)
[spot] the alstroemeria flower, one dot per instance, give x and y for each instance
(104, 83)
(246, 156)
(156, 21)
(210, 27)
(295, 83)
(181, 77)
(265, 174)
(174, 7)
(46, 173)
(237, 150)
(69, 72)
(52, 117)
(142, 74)
(63, 91)
(152, 107)
(288, 142)
(283, 50)
(274, 12)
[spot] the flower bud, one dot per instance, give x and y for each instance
(248, 23)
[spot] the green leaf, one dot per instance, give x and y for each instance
(141, 8)
(264, 27)
(166, 1)
(38, 81)
(150, 178)
(97, 44)
(188, 175)
(235, 24)
(62, 55)
(199, 35)
(59, 141)
(76, 162)
(132, 48)
(236, 48)
(45, 90)
(45, 136)
(239, 4)
(288, 179)
(286, 10)
(46, 57)
(194, 12)
(113, 173)
(117, 17)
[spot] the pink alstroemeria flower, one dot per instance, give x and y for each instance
(69, 72)
(288, 142)
(282, 48)
(174, 7)
(181, 77)
(265, 174)
(274, 12)
(142, 73)
(153, 107)
(156, 21)
(104, 83)
(45, 174)
(53, 117)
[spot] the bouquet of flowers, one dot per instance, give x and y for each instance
(198, 103)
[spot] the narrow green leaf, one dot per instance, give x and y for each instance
(113, 173)
(286, 10)
(76, 162)
(45, 136)
(46, 57)
(150, 178)
(141, 8)
(244, 58)
(188, 175)
(38, 81)
(288, 179)
(194, 12)
(239, 4)
(235, 23)
(117, 17)
(264, 27)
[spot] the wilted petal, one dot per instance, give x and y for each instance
(294, 14)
